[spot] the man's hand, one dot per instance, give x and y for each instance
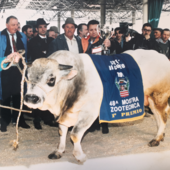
(147, 36)
(14, 55)
(127, 38)
(107, 43)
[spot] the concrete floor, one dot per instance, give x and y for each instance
(145, 161)
(123, 148)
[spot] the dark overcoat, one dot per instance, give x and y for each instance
(38, 47)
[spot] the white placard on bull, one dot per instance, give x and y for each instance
(69, 86)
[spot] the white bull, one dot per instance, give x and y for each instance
(69, 86)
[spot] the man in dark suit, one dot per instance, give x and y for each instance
(67, 40)
(11, 41)
(37, 48)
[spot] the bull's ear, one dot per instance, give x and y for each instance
(68, 74)
(65, 71)
(64, 67)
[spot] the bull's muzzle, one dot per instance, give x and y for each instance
(32, 99)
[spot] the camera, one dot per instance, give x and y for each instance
(124, 29)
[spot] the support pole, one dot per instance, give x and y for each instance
(103, 12)
(72, 14)
(133, 18)
(110, 18)
(145, 11)
(59, 22)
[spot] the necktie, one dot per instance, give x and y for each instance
(14, 43)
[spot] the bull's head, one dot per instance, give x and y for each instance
(43, 76)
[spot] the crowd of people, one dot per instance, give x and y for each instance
(39, 42)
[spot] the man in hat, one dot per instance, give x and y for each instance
(67, 40)
(51, 34)
(37, 48)
(55, 29)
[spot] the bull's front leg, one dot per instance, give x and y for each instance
(85, 120)
(61, 147)
(160, 115)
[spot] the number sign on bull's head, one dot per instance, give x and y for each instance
(43, 77)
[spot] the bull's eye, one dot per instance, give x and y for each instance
(51, 81)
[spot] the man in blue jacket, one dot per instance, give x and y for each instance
(11, 41)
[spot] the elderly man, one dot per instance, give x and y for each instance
(67, 40)
(164, 43)
(11, 41)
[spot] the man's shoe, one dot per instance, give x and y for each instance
(13, 123)
(91, 129)
(24, 125)
(3, 128)
(37, 125)
(105, 128)
(51, 123)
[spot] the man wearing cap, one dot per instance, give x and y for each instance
(11, 40)
(67, 40)
(55, 29)
(37, 48)
(157, 33)
(51, 34)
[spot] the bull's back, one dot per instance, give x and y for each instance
(155, 69)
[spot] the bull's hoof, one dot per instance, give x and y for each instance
(80, 158)
(153, 143)
(54, 155)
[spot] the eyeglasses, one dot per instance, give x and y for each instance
(147, 30)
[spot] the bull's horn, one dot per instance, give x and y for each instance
(64, 67)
